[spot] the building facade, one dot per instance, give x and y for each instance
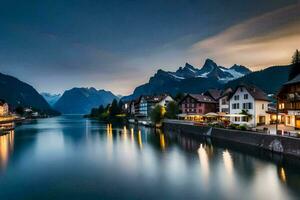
(224, 101)
(197, 104)
(146, 104)
(248, 105)
(289, 102)
(4, 111)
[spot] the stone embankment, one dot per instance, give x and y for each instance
(275, 143)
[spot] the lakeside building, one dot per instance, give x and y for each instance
(214, 94)
(4, 110)
(195, 106)
(6, 121)
(146, 103)
(224, 101)
(289, 102)
(252, 101)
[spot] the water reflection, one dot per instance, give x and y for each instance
(6, 148)
(131, 158)
(140, 141)
(282, 175)
(204, 163)
(228, 162)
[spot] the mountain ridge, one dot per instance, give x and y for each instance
(80, 100)
(209, 76)
(19, 93)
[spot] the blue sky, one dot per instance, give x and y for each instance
(117, 45)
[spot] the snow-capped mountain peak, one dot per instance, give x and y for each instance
(210, 70)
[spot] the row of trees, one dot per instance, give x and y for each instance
(160, 112)
(112, 111)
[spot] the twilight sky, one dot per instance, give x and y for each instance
(117, 45)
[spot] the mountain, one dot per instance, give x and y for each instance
(82, 100)
(18, 93)
(210, 69)
(190, 79)
(269, 80)
(51, 98)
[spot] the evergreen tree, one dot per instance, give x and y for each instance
(94, 112)
(179, 96)
(114, 108)
(120, 106)
(172, 110)
(295, 70)
(101, 109)
(296, 57)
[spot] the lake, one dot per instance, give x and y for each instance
(69, 157)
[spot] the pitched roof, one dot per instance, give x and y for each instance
(226, 92)
(200, 98)
(214, 93)
(293, 81)
(254, 91)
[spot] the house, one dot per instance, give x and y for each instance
(197, 104)
(146, 103)
(248, 105)
(126, 107)
(224, 101)
(3, 108)
(214, 94)
(289, 102)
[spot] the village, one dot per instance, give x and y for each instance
(245, 107)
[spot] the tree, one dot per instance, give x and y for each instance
(296, 57)
(101, 109)
(172, 110)
(94, 112)
(295, 70)
(157, 114)
(179, 96)
(114, 108)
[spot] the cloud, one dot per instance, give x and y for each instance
(266, 40)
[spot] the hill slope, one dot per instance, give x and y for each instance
(51, 98)
(269, 80)
(18, 93)
(82, 100)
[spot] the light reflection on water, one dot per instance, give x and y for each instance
(6, 148)
(73, 158)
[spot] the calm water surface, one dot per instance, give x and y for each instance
(69, 157)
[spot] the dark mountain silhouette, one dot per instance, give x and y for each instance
(18, 93)
(269, 80)
(82, 100)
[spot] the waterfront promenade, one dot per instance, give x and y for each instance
(284, 145)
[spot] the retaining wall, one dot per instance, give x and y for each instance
(280, 144)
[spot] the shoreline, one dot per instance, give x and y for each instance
(281, 145)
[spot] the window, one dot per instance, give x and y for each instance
(223, 101)
(262, 106)
(241, 89)
(288, 120)
(247, 105)
(236, 119)
(236, 97)
(245, 96)
(236, 106)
